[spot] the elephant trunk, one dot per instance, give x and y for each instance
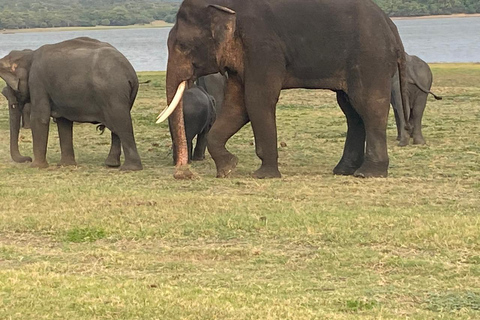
(177, 127)
(15, 120)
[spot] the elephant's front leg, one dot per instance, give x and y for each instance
(40, 122)
(65, 134)
(231, 119)
(261, 101)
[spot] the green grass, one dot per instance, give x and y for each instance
(89, 242)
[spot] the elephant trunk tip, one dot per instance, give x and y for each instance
(183, 172)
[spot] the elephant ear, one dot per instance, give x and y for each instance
(8, 72)
(223, 24)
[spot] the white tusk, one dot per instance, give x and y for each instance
(176, 100)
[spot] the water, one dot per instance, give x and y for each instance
(434, 40)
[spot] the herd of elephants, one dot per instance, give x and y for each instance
(228, 61)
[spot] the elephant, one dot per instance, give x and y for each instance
(214, 84)
(199, 114)
(19, 116)
(419, 78)
(350, 47)
(77, 80)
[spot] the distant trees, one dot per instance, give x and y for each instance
(428, 7)
(64, 13)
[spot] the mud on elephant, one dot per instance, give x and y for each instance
(350, 47)
(419, 83)
(78, 80)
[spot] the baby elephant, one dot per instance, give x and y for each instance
(78, 80)
(419, 82)
(19, 116)
(199, 115)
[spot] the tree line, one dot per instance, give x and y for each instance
(20, 14)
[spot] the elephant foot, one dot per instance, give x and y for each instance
(131, 167)
(113, 162)
(183, 173)
(372, 170)
(198, 158)
(39, 164)
(21, 159)
(67, 163)
(403, 142)
(265, 172)
(225, 165)
(345, 168)
(418, 140)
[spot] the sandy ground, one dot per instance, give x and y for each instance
(458, 15)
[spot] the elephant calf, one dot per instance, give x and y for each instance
(199, 115)
(419, 82)
(78, 80)
(19, 116)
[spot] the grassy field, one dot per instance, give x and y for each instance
(88, 242)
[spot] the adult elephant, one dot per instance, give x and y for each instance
(78, 80)
(348, 46)
(419, 82)
(19, 117)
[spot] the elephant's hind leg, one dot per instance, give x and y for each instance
(119, 121)
(354, 150)
(373, 106)
(65, 133)
(231, 119)
(417, 114)
(200, 147)
(113, 158)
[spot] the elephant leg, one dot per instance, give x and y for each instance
(417, 115)
(113, 158)
(373, 105)
(119, 121)
(261, 107)
(65, 134)
(231, 119)
(200, 147)
(40, 122)
(354, 150)
(15, 119)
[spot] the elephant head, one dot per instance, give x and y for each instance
(19, 112)
(202, 41)
(14, 69)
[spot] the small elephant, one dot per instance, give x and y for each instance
(19, 115)
(81, 80)
(214, 84)
(419, 78)
(199, 115)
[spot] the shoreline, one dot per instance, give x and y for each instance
(439, 16)
(163, 24)
(152, 25)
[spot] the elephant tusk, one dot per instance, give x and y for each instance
(176, 100)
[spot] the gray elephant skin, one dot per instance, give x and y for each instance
(199, 114)
(78, 80)
(419, 79)
(19, 117)
(350, 47)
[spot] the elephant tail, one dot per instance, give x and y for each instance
(419, 86)
(402, 73)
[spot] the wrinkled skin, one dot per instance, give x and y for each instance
(19, 113)
(199, 114)
(419, 79)
(350, 47)
(78, 80)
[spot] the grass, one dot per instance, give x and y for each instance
(87, 242)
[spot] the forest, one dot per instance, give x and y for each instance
(21, 14)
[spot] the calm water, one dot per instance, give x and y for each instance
(434, 40)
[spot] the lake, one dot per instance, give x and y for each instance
(433, 40)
